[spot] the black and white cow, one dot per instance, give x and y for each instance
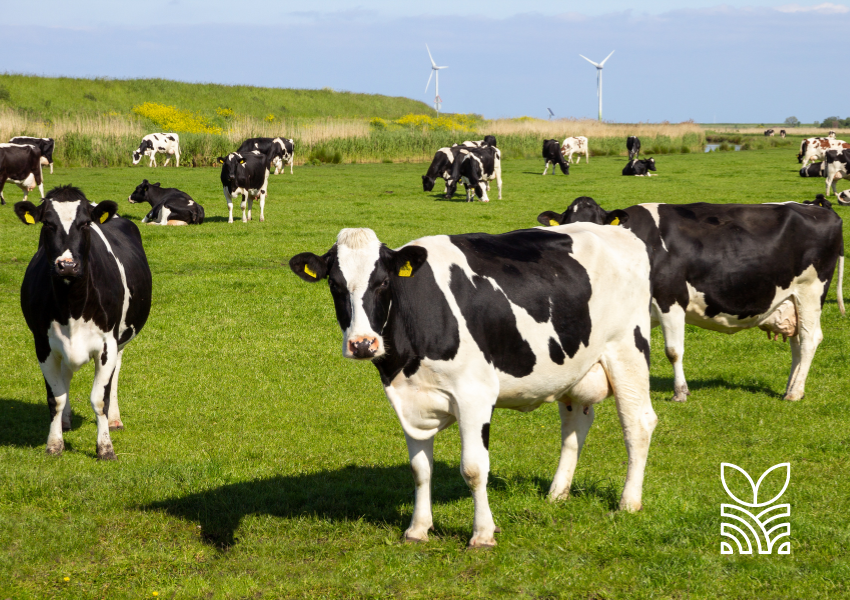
(813, 170)
(476, 168)
(165, 143)
(729, 267)
(245, 174)
(812, 149)
(20, 164)
(633, 146)
(836, 167)
(843, 197)
(489, 140)
(768, 133)
(282, 150)
(553, 156)
(782, 133)
(85, 295)
(441, 166)
(169, 206)
(640, 168)
(458, 325)
(576, 145)
(44, 145)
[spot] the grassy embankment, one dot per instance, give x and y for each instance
(99, 122)
(257, 463)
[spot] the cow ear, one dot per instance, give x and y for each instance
(29, 213)
(156, 184)
(616, 217)
(407, 261)
(309, 267)
(549, 218)
(103, 211)
(221, 160)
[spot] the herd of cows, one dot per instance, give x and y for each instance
(458, 325)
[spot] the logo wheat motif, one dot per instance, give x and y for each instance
(755, 526)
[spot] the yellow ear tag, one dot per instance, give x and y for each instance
(103, 217)
(28, 218)
(553, 223)
(309, 271)
(406, 270)
(616, 221)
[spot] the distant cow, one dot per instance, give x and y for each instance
(20, 164)
(169, 206)
(576, 145)
(812, 149)
(245, 174)
(768, 132)
(476, 168)
(831, 134)
(553, 156)
(441, 166)
(836, 167)
(86, 294)
(44, 145)
(153, 143)
(282, 150)
(640, 168)
(458, 325)
(814, 170)
(633, 146)
(730, 267)
(782, 133)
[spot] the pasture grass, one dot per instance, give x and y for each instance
(257, 463)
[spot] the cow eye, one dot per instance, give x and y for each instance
(384, 284)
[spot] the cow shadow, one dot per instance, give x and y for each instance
(218, 219)
(665, 384)
(26, 425)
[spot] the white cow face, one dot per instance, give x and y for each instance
(360, 272)
(144, 149)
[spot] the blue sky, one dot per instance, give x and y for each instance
(754, 61)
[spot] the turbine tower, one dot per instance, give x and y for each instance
(599, 67)
(434, 69)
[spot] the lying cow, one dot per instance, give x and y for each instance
(20, 164)
(476, 168)
(44, 145)
(153, 143)
(282, 150)
(640, 168)
(553, 156)
(812, 149)
(86, 294)
(247, 175)
(768, 133)
(836, 167)
(169, 206)
(576, 145)
(441, 166)
(458, 325)
(633, 146)
(813, 170)
(729, 267)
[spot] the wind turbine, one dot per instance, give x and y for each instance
(598, 79)
(434, 69)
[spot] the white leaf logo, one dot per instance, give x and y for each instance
(745, 525)
(755, 486)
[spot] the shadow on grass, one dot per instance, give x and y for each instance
(216, 219)
(26, 424)
(665, 384)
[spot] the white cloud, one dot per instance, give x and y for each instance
(825, 8)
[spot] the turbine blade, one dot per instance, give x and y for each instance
(429, 80)
(602, 64)
(438, 68)
(590, 61)
(433, 64)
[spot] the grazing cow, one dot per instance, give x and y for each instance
(166, 143)
(768, 132)
(553, 156)
(836, 167)
(813, 170)
(812, 149)
(20, 164)
(729, 267)
(640, 168)
(245, 174)
(458, 325)
(85, 295)
(282, 150)
(782, 133)
(576, 145)
(476, 168)
(633, 146)
(441, 166)
(169, 206)
(45, 146)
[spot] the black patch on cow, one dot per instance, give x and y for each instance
(103, 356)
(642, 344)
(51, 400)
(485, 435)
(107, 391)
(412, 366)
(555, 353)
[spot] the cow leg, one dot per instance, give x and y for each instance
(673, 327)
(547, 168)
(422, 463)
(152, 162)
(499, 180)
(167, 160)
(229, 199)
(262, 205)
(574, 427)
(474, 424)
(114, 415)
(2, 183)
(177, 158)
(291, 160)
(803, 345)
(51, 172)
(57, 379)
(101, 394)
(247, 205)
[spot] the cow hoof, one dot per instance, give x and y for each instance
(262, 220)
(631, 506)
(679, 398)
(55, 448)
(105, 453)
(115, 426)
(482, 544)
(412, 539)
(794, 398)
(66, 426)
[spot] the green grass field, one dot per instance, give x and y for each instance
(258, 463)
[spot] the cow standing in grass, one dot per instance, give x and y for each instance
(44, 145)
(281, 149)
(86, 294)
(576, 145)
(441, 166)
(476, 168)
(20, 164)
(245, 174)
(460, 325)
(633, 146)
(553, 156)
(153, 143)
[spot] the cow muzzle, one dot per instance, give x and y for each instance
(363, 347)
(67, 268)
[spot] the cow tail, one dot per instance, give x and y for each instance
(840, 288)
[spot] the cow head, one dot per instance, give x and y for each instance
(144, 148)
(843, 198)
(489, 140)
(360, 271)
(428, 183)
(650, 163)
(66, 217)
(583, 210)
(823, 202)
(140, 194)
(230, 167)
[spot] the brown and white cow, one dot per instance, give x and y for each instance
(576, 145)
(814, 149)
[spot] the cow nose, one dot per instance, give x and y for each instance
(66, 268)
(363, 347)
